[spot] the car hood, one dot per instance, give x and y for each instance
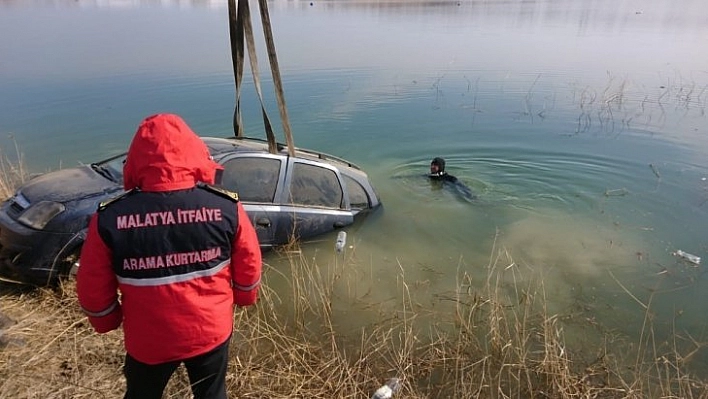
(67, 185)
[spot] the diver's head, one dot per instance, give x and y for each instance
(437, 166)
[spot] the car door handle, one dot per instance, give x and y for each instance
(265, 222)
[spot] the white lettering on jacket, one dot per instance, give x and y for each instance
(179, 216)
(171, 260)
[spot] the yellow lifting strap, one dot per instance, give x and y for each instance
(240, 30)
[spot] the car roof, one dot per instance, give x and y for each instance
(218, 146)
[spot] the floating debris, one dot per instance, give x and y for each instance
(387, 390)
(616, 193)
(653, 169)
(685, 255)
(341, 242)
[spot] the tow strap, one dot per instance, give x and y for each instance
(240, 30)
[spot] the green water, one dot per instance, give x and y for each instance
(581, 127)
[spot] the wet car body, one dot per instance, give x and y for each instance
(43, 225)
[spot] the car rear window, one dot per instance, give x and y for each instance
(254, 179)
(314, 185)
(358, 199)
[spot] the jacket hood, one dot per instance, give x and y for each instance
(167, 155)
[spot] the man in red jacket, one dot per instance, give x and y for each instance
(168, 260)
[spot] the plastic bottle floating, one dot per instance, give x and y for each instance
(341, 241)
(696, 260)
(387, 390)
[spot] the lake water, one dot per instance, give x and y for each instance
(580, 124)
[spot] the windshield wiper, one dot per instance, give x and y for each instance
(103, 171)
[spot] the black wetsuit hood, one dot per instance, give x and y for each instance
(440, 162)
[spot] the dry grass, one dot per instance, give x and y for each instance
(12, 172)
(499, 342)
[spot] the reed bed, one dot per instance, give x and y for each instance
(12, 171)
(498, 341)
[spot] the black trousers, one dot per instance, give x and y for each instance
(207, 375)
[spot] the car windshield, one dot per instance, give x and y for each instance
(111, 169)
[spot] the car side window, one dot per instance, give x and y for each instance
(358, 199)
(314, 185)
(254, 179)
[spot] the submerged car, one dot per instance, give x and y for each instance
(43, 225)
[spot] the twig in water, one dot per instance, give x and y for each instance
(653, 169)
(620, 192)
(627, 291)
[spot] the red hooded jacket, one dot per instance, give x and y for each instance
(170, 277)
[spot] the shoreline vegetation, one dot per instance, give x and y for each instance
(496, 339)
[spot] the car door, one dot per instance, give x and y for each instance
(257, 179)
(315, 199)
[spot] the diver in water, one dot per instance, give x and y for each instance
(438, 173)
